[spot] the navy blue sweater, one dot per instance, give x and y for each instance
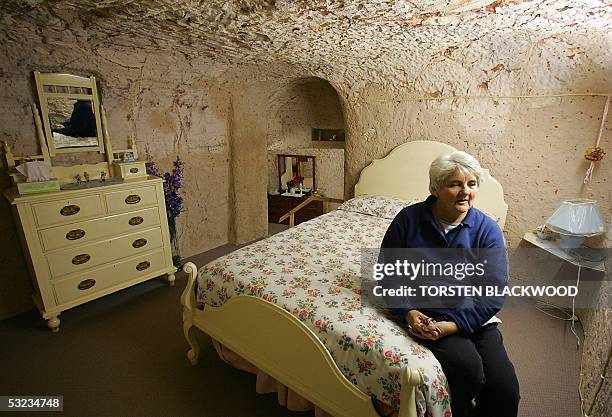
(415, 227)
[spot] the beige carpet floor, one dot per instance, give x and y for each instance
(124, 355)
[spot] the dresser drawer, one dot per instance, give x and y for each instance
(135, 243)
(82, 257)
(131, 199)
(129, 170)
(67, 210)
(90, 230)
(78, 258)
(90, 282)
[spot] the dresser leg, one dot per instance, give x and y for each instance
(171, 279)
(53, 324)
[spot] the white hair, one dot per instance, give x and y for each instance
(445, 165)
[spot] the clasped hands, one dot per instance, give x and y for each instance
(424, 327)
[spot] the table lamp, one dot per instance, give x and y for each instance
(576, 220)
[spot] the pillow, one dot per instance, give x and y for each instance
(375, 205)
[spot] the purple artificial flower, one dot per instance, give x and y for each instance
(173, 182)
(152, 167)
(177, 172)
(174, 203)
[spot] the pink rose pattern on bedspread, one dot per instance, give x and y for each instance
(312, 271)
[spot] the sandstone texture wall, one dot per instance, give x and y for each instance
(519, 84)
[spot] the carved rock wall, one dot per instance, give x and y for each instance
(174, 76)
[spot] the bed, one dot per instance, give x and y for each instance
(290, 304)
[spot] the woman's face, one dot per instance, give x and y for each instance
(456, 196)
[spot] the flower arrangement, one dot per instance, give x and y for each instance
(296, 182)
(173, 182)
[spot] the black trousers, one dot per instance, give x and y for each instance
(478, 367)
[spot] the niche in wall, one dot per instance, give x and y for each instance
(299, 108)
(296, 110)
(321, 136)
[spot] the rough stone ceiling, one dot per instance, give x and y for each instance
(376, 40)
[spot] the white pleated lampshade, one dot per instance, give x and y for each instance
(578, 217)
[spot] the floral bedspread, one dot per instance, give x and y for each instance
(312, 271)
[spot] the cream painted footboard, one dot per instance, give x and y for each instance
(279, 344)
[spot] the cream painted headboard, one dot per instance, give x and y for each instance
(404, 173)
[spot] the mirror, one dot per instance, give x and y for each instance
(73, 123)
(70, 113)
(296, 170)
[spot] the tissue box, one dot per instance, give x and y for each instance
(36, 187)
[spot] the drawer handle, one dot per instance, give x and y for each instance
(70, 210)
(132, 199)
(75, 234)
(139, 243)
(143, 265)
(81, 259)
(86, 284)
(135, 221)
(133, 170)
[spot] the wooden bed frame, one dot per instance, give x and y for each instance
(279, 344)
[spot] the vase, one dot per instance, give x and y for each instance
(174, 244)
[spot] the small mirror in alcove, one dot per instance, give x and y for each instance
(293, 166)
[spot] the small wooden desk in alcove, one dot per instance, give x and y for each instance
(278, 205)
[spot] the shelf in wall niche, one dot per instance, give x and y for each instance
(327, 144)
(328, 135)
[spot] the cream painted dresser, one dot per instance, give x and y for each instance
(85, 243)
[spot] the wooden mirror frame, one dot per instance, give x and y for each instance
(66, 173)
(314, 170)
(84, 85)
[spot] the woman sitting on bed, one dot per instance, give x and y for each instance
(462, 335)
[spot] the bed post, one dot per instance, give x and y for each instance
(189, 307)
(411, 380)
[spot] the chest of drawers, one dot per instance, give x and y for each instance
(83, 244)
